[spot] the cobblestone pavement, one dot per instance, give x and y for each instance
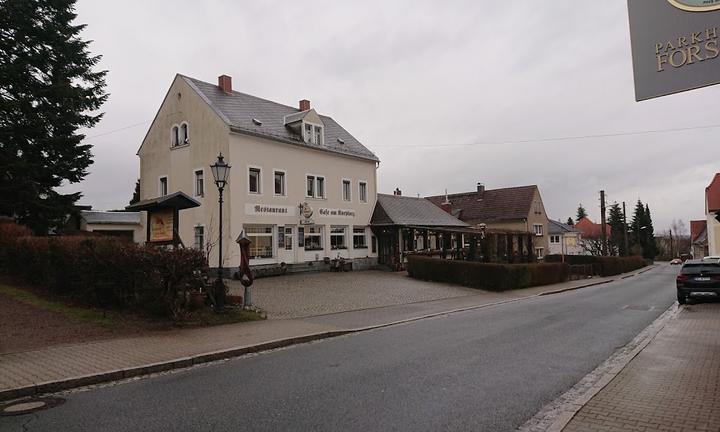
(672, 385)
(310, 294)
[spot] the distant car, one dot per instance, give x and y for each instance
(676, 261)
(698, 278)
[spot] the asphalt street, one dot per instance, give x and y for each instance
(489, 369)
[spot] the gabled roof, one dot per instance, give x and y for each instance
(239, 109)
(491, 205)
(591, 229)
(712, 194)
(111, 218)
(401, 210)
(697, 227)
(556, 227)
(176, 200)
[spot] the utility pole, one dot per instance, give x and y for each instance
(603, 227)
(672, 254)
(625, 232)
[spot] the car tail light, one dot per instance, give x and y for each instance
(682, 278)
(715, 278)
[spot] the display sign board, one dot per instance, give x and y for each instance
(267, 209)
(675, 45)
(161, 225)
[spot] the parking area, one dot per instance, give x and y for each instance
(310, 294)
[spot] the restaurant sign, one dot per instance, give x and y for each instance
(161, 225)
(343, 213)
(675, 45)
(269, 210)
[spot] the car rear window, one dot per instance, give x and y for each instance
(700, 268)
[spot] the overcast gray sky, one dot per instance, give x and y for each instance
(443, 92)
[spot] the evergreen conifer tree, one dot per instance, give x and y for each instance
(650, 250)
(617, 240)
(570, 221)
(48, 90)
(136, 193)
(581, 213)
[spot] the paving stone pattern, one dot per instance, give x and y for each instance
(311, 294)
(672, 385)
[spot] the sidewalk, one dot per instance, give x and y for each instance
(67, 366)
(672, 385)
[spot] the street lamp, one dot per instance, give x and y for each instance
(220, 170)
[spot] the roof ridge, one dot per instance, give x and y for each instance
(245, 94)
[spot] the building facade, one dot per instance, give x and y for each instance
(515, 209)
(712, 213)
(300, 186)
(564, 239)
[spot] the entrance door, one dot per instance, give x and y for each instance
(287, 254)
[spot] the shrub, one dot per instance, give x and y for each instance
(494, 277)
(106, 272)
(602, 266)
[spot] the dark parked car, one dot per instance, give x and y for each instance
(698, 278)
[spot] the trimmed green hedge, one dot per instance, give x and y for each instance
(104, 272)
(494, 277)
(602, 266)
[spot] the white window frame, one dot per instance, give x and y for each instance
(364, 236)
(284, 182)
(160, 185)
(539, 252)
(344, 236)
(309, 137)
(173, 142)
(538, 230)
(360, 195)
(202, 248)
(259, 182)
(320, 233)
(315, 183)
(186, 139)
(343, 182)
(271, 234)
(196, 193)
(555, 236)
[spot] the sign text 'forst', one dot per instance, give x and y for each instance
(675, 45)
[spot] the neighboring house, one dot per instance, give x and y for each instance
(407, 224)
(301, 187)
(591, 233)
(699, 239)
(516, 209)
(712, 212)
(117, 224)
(564, 239)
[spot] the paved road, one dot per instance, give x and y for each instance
(487, 370)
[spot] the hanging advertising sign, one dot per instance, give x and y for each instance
(675, 45)
(161, 225)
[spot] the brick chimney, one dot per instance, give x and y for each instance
(397, 192)
(446, 205)
(304, 105)
(225, 83)
(480, 190)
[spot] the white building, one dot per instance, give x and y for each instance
(300, 186)
(564, 239)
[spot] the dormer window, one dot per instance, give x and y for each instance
(313, 134)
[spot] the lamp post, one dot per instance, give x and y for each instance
(220, 170)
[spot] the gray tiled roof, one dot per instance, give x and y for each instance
(239, 109)
(556, 227)
(111, 218)
(401, 210)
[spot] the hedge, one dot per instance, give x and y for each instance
(602, 266)
(494, 277)
(104, 272)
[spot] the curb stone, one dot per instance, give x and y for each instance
(554, 416)
(185, 362)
